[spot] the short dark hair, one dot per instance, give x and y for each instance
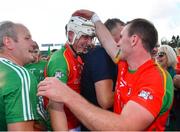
(53, 50)
(146, 30)
(111, 23)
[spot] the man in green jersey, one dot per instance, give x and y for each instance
(66, 65)
(37, 67)
(18, 87)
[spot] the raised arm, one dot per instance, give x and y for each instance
(107, 40)
(103, 34)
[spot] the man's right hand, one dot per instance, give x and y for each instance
(53, 89)
(83, 13)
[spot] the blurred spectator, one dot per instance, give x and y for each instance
(44, 57)
(53, 50)
(167, 58)
(38, 65)
(154, 51)
(37, 69)
(178, 64)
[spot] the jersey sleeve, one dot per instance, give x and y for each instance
(20, 98)
(153, 94)
(57, 66)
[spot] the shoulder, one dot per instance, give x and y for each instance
(13, 77)
(11, 69)
(156, 77)
(57, 62)
(97, 53)
(98, 49)
(58, 53)
(57, 56)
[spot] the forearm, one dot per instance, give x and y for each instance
(109, 101)
(91, 116)
(21, 126)
(58, 116)
(106, 39)
(104, 93)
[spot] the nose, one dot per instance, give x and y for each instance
(89, 40)
(33, 43)
(118, 43)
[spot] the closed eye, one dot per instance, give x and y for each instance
(27, 37)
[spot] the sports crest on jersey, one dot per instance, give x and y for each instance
(59, 74)
(145, 94)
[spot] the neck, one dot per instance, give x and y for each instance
(135, 61)
(11, 58)
(72, 50)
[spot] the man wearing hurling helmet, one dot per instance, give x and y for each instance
(66, 65)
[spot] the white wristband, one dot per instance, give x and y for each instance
(95, 18)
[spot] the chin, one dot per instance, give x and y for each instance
(30, 60)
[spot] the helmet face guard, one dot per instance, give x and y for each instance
(80, 26)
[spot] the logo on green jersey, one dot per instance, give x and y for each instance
(59, 74)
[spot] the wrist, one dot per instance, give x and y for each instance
(95, 18)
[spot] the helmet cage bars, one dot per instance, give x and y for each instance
(80, 26)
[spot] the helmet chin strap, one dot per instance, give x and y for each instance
(74, 38)
(72, 43)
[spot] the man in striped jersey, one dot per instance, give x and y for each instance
(18, 100)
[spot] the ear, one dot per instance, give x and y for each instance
(8, 42)
(134, 39)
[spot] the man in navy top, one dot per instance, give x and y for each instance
(99, 71)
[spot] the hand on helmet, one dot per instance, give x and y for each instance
(83, 13)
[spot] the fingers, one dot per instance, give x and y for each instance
(41, 93)
(83, 13)
(46, 81)
(45, 85)
(42, 83)
(49, 87)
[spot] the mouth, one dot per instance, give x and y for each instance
(31, 52)
(87, 48)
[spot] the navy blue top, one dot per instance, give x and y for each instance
(97, 66)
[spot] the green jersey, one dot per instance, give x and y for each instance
(67, 67)
(18, 98)
(37, 69)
